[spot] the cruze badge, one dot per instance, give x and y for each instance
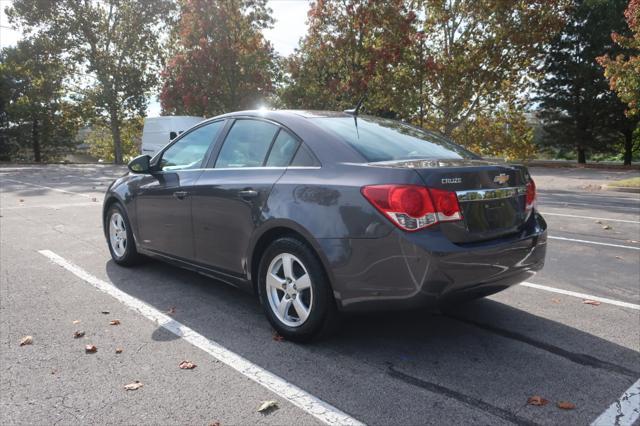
(501, 179)
(451, 180)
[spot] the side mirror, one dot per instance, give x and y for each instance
(140, 164)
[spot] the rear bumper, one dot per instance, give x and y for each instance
(411, 270)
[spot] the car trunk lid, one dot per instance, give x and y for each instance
(491, 196)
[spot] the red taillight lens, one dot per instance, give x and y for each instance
(412, 200)
(531, 194)
(413, 207)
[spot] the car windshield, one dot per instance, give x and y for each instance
(378, 139)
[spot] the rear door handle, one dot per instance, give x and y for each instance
(180, 195)
(248, 193)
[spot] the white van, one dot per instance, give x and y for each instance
(159, 131)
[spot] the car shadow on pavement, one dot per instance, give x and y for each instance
(485, 356)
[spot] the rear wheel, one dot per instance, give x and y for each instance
(120, 237)
(294, 291)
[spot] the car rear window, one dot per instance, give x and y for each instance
(378, 139)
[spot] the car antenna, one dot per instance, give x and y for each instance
(355, 111)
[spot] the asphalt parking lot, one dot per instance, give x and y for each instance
(476, 364)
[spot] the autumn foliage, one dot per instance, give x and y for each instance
(623, 71)
(219, 61)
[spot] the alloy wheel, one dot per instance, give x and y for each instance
(118, 234)
(289, 290)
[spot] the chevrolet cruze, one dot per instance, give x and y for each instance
(319, 213)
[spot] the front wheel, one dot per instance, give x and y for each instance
(295, 292)
(120, 237)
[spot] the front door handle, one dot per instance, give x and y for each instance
(180, 195)
(248, 193)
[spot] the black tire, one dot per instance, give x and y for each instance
(130, 256)
(323, 315)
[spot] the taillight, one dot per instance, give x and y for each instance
(531, 195)
(413, 207)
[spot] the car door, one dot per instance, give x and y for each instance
(163, 204)
(229, 197)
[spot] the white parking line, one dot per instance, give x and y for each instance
(598, 205)
(321, 410)
(582, 295)
(48, 187)
(590, 217)
(625, 411)
(593, 242)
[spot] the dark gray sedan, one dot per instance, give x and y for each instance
(323, 212)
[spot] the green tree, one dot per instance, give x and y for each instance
(100, 145)
(35, 114)
(219, 60)
(114, 45)
(472, 56)
(579, 110)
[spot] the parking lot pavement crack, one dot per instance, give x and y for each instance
(578, 358)
(465, 399)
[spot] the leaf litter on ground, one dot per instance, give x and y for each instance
(26, 340)
(267, 407)
(133, 386)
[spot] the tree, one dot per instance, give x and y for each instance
(623, 73)
(220, 61)
(578, 109)
(99, 140)
(114, 44)
(353, 47)
(474, 55)
(35, 114)
(439, 63)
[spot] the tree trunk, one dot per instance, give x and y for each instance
(35, 141)
(114, 123)
(628, 147)
(582, 157)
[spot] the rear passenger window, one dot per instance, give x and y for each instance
(304, 158)
(247, 144)
(282, 150)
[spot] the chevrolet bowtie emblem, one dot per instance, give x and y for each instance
(501, 179)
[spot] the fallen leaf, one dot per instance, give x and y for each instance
(187, 365)
(76, 321)
(114, 322)
(565, 405)
(171, 310)
(78, 334)
(26, 340)
(90, 349)
(105, 312)
(277, 337)
(268, 406)
(118, 350)
(591, 302)
(133, 386)
(214, 424)
(599, 222)
(607, 227)
(555, 300)
(538, 401)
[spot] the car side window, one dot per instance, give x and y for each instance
(304, 158)
(189, 151)
(247, 144)
(282, 150)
